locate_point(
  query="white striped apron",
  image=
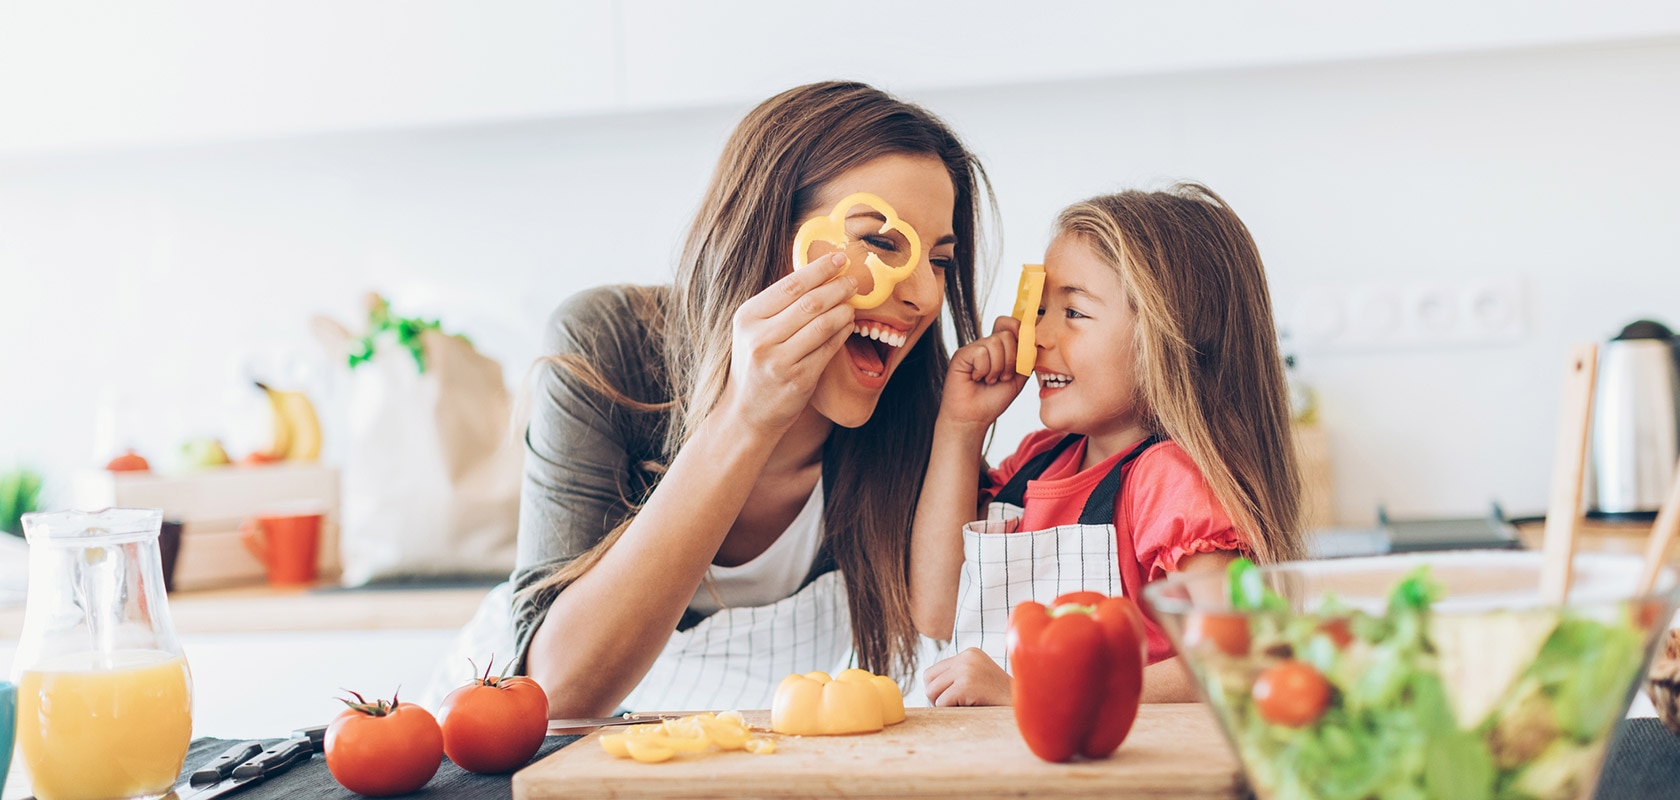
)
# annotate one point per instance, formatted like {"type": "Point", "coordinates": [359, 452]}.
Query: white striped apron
{"type": "Point", "coordinates": [1004, 566]}
{"type": "Point", "coordinates": [735, 658]}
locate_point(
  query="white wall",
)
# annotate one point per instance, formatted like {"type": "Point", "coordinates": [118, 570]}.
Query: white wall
{"type": "Point", "coordinates": [148, 275]}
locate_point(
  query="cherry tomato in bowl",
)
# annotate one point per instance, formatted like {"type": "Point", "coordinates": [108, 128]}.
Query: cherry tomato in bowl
{"type": "Point", "coordinates": [1291, 693]}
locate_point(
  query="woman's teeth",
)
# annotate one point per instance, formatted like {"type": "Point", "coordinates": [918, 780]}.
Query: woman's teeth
{"type": "Point", "coordinates": [1054, 380]}
{"type": "Point", "coordinates": [879, 333]}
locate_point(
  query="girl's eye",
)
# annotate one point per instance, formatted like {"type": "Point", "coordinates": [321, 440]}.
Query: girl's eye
{"type": "Point", "coordinates": [943, 262]}
{"type": "Point", "coordinates": [1072, 314]}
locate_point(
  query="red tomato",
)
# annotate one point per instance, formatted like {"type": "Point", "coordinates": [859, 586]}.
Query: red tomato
{"type": "Point", "coordinates": [1228, 632]}
{"type": "Point", "coordinates": [129, 461]}
{"type": "Point", "coordinates": [1291, 694]}
{"type": "Point", "coordinates": [1338, 632]}
{"type": "Point", "coordinates": [494, 725]}
{"type": "Point", "coordinates": [381, 749]}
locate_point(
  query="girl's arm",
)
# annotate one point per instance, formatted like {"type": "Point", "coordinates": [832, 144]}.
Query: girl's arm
{"type": "Point", "coordinates": [949, 499]}
{"type": "Point", "coordinates": [602, 633]}
{"type": "Point", "coordinates": [1169, 680]}
{"type": "Point", "coordinates": [979, 385]}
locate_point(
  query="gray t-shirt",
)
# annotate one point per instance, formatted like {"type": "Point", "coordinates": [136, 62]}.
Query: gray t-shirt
{"type": "Point", "coordinates": [588, 458]}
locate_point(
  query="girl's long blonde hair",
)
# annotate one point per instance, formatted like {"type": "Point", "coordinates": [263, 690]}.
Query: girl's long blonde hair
{"type": "Point", "coordinates": [767, 181]}
{"type": "Point", "coordinates": [1208, 372]}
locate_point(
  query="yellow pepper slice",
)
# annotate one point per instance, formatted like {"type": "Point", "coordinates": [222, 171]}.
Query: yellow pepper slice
{"type": "Point", "coordinates": [761, 747]}
{"type": "Point", "coordinates": [832, 229]}
{"type": "Point", "coordinates": [855, 701]}
{"type": "Point", "coordinates": [697, 733]}
{"type": "Point", "coordinates": [1029, 295]}
{"type": "Point", "coordinates": [647, 750]}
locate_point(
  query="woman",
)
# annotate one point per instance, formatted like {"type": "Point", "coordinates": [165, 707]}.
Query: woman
{"type": "Point", "coordinates": [720, 474]}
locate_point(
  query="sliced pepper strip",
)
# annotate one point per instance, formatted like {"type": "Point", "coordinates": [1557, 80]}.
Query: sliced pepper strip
{"type": "Point", "coordinates": [1029, 295]}
{"type": "Point", "coordinates": [832, 229]}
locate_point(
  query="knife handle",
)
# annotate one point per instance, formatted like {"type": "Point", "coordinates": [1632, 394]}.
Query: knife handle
{"type": "Point", "coordinates": [275, 759]}
{"type": "Point", "coordinates": [316, 735]}
{"type": "Point", "coordinates": [218, 769]}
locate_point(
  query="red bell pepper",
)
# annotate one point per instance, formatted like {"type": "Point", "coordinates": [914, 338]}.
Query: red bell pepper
{"type": "Point", "coordinates": [1078, 672]}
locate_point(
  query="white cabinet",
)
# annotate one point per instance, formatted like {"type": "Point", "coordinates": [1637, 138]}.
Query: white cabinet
{"type": "Point", "coordinates": [84, 73]}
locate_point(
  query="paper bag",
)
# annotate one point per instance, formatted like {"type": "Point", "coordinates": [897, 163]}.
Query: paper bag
{"type": "Point", "coordinates": [431, 470]}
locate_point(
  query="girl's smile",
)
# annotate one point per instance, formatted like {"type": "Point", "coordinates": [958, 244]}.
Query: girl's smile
{"type": "Point", "coordinates": [1085, 329]}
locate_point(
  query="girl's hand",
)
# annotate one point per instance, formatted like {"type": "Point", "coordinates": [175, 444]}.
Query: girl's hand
{"type": "Point", "coordinates": [969, 678]}
{"type": "Point", "coordinates": [784, 338]}
{"type": "Point", "coordinates": [982, 382]}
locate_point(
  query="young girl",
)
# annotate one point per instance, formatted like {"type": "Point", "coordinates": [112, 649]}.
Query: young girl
{"type": "Point", "coordinates": [1168, 446]}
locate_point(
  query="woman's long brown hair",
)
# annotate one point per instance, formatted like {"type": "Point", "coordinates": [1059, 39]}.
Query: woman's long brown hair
{"type": "Point", "coordinates": [1209, 375]}
{"type": "Point", "coordinates": [767, 181]}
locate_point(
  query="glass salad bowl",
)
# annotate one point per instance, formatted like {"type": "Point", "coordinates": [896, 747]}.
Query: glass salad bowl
{"type": "Point", "coordinates": [1439, 675]}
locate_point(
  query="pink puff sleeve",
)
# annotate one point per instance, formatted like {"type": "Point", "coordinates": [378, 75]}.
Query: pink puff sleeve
{"type": "Point", "coordinates": [1173, 513]}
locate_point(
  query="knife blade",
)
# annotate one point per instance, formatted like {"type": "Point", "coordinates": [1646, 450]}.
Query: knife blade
{"type": "Point", "coordinates": [602, 722]}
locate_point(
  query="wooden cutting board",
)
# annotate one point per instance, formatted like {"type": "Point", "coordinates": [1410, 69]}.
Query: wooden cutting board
{"type": "Point", "coordinates": [1174, 751]}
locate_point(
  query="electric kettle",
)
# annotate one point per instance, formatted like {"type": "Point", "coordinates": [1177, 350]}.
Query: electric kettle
{"type": "Point", "coordinates": [1635, 423]}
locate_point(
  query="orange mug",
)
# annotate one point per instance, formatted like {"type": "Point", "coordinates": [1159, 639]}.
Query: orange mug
{"type": "Point", "coordinates": [288, 545]}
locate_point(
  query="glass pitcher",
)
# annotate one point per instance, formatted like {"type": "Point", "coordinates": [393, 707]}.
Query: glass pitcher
{"type": "Point", "coordinates": [103, 690]}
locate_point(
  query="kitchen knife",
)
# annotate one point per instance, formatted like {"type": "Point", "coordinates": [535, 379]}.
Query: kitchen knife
{"type": "Point", "coordinates": [602, 722]}
{"type": "Point", "coordinates": [270, 762]}
{"type": "Point", "coordinates": [219, 768]}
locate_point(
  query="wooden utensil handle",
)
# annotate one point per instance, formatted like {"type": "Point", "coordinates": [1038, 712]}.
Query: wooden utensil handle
{"type": "Point", "coordinates": [1662, 533]}
{"type": "Point", "coordinates": [1563, 514]}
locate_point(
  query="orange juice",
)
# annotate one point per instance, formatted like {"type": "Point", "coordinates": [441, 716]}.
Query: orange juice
{"type": "Point", "coordinates": [119, 730]}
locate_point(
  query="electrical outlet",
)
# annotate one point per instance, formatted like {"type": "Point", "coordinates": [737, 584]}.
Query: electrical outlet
{"type": "Point", "coordinates": [1408, 316]}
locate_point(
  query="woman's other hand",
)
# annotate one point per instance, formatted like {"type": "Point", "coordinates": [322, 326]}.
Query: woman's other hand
{"type": "Point", "coordinates": [784, 338]}
{"type": "Point", "coordinates": [982, 381]}
{"type": "Point", "coordinates": [969, 678]}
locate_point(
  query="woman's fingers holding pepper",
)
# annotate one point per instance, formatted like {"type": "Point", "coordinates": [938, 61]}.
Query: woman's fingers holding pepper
{"type": "Point", "coordinates": [820, 338]}
{"type": "Point", "coordinates": [797, 286]}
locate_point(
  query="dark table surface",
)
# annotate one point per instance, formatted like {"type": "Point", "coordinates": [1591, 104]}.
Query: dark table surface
{"type": "Point", "coordinates": [1643, 763]}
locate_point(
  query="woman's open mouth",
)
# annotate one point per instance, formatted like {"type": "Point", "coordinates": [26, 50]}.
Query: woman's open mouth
{"type": "Point", "coordinates": [870, 347]}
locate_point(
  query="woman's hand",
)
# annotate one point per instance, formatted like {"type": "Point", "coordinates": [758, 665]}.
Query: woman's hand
{"type": "Point", "coordinates": [969, 678]}
{"type": "Point", "coordinates": [982, 381]}
{"type": "Point", "coordinates": [784, 337]}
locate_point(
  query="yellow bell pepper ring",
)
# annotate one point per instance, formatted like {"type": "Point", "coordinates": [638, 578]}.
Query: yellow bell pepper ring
{"type": "Point", "coordinates": [855, 701]}
{"type": "Point", "coordinates": [832, 229]}
{"type": "Point", "coordinates": [1029, 295]}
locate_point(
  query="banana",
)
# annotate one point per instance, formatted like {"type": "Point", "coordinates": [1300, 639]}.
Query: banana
{"type": "Point", "coordinates": [297, 429]}
{"type": "Point", "coordinates": [305, 427]}
{"type": "Point", "coordinates": [280, 428]}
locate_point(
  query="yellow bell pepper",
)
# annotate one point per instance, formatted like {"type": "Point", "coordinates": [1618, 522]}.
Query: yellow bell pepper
{"type": "Point", "coordinates": [855, 701]}
{"type": "Point", "coordinates": [832, 229]}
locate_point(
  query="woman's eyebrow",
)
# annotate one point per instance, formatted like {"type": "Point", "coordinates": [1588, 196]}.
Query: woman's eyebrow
{"type": "Point", "coordinates": [1073, 290]}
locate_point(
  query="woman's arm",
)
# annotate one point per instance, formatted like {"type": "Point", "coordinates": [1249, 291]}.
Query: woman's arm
{"type": "Point", "coordinates": [979, 385]}
{"type": "Point", "coordinates": [597, 640]}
